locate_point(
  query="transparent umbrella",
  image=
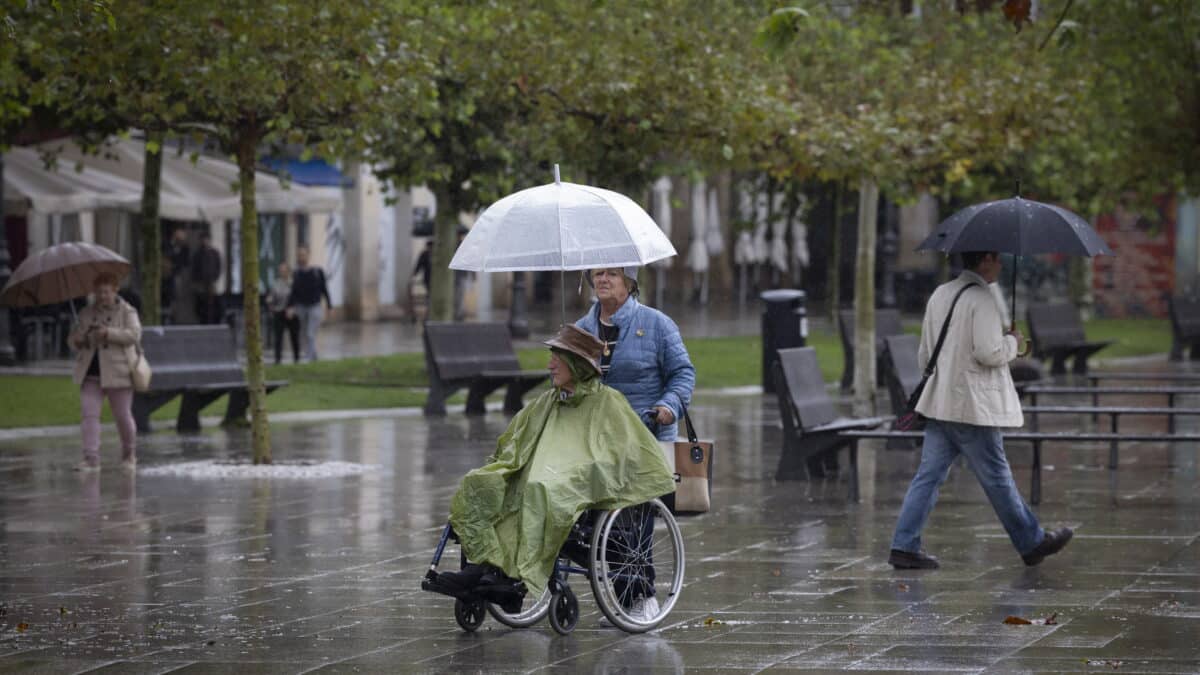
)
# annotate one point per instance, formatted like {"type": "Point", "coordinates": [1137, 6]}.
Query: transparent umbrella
{"type": "Point", "coordinates": [560, 227]}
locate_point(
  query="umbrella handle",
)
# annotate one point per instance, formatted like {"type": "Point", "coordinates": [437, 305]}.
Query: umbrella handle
{"type": "Point", "coordinates": [1026, 347]}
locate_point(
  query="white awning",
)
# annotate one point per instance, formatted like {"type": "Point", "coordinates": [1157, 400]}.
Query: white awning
{"type": "Point", "coordinates": [201, 190]}
{"type": "Point", "coordinates": [28, 183]}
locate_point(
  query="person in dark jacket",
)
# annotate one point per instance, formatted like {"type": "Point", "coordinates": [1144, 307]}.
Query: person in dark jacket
{"type": "Point", "coordinates": [206, 269]}
{"type": "Point", "coordinates": [308, 289]}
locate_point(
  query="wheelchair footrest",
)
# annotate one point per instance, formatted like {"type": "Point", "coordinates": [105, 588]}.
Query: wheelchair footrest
{"type": "Point", "coordinates": [433, 584]}
{"type": "Point", "coordinates": [507, 594]}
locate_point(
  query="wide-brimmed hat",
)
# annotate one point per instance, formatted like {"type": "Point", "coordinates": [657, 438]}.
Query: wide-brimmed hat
{"type": "Point", "coordinates": [573, 339]}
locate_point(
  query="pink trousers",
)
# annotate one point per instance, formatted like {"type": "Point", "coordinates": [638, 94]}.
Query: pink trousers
{"type": "Point", "coordinates": [120, 401]}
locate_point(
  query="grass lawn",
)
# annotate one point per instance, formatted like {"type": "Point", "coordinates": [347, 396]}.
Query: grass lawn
{"type": "Point", "coordinates": [399, 380]}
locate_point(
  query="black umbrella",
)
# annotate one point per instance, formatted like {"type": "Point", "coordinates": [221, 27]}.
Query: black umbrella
{"type": "Point", "coordinates": [1017, 226]}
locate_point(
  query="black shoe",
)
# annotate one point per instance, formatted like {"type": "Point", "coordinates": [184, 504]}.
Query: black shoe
{"type": "Point", "coordinates": [903, 560]}
{"type": "Point", "coordinates": [1052, 542]}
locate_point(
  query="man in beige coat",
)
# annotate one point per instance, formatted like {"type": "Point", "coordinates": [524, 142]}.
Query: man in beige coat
{"type": "Point", "coordinates": [968, 399]}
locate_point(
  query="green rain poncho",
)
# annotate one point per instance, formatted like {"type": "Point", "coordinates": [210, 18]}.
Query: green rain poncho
{"type": "Point", "coordinates": [560, 456]}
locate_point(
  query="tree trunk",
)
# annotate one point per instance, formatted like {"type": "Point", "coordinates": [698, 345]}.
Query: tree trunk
{"type": "Point", "coordinates": [445, 241]}
{"type": "Point", "coordinates": [260, 432]}
{"type": "Point", "coordinates": [151, 249]}
{"type": "Point", "coordinates": [864, 300]}
{"type": "Point", "coordinates": [835, 256]}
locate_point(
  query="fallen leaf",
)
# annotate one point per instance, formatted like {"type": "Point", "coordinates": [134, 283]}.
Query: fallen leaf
{"type": "Point", "coordinates": [211, 643]}
{"type": "Point", "coordinates": [712, 622]}
{"type": "Point", "coordinates": [1017, 621]}
{"type": "Point", "coordinates": [1052, 620]}
{"type": "Point", "coordinates": [776, 572]}
{"type": "Point", "coordinates": [62, 610]}
{"type": "Point", "coordinates": [902, 587]}
{"type": "Point", "coordinates": [22, 627]}
{"type": "Point", "coordinates": [1019, 12]}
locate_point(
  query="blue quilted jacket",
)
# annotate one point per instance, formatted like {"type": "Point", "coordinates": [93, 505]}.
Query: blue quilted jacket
{"type": "Point", "coordinates": [650, 365]}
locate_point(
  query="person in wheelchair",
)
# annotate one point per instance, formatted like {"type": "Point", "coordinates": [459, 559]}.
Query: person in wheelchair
{"type": "Point", "coordinates": [577, 447]}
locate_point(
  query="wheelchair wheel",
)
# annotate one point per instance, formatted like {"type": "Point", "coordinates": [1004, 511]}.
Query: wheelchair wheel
{"type": "Point", "coordinates": [564, 611]}
{"type": "Point", "coordinates": [469, 614]}
{"type": "Point", "coordinates": [637, 561]}
{"type": "Point", "coordinates": [527, 616]}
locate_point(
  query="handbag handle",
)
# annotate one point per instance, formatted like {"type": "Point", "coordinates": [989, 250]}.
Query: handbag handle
{"type": "Point", "coordinates": [697, 452]}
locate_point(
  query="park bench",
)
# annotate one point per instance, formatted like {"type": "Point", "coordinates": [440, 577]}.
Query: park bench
{"type": "Point", "coordinates": [887, 323]}
{"type": "Point", "coordinates": [1036, 438]}
{"type": "Point", "coordinates": [480, 357]}
{"type": "Point", "coordinates": [199, 363]}
{"type": "Point", "coordinates": [1036, 390]}
{"type": "Point", "coordinates": [810, 421]}
{"type": "Point", "coordinates": [1185, 326]}
{"type": "Point", "coordinates": [1058, 335]}
{"type": "Point", "coordinates": [1095, 378]}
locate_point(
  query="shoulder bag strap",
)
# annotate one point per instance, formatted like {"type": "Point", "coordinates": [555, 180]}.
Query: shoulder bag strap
{"type": "Point", "coordinates": [937, 349]}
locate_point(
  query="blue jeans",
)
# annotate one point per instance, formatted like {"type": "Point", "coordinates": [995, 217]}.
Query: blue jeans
{"type": "Point", "coordinates": [984, 450]}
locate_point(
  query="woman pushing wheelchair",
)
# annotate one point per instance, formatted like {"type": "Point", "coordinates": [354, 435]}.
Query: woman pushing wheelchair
{"type": "Point", "coordinates": [574, 480]}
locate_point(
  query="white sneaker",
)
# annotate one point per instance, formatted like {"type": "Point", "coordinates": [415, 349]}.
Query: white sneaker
{"type": "Point", "coordinates": [644, 610]}
{"type": "Point", "coordinates": [87, 467]}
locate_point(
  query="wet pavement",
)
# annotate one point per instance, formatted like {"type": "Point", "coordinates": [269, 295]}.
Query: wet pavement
{"type": "Point", "coordinates": [150, 574]}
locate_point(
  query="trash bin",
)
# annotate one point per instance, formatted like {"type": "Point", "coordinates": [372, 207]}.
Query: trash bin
{"type": "Point", "coordinates": [784, 325]}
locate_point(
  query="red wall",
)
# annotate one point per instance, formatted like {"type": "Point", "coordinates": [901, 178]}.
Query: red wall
{"type": "Point", "coordinates": [1139, 278]}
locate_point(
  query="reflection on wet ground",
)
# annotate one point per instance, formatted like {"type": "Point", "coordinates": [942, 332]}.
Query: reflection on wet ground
{"type": "Point", "coordinates": [150, 574]}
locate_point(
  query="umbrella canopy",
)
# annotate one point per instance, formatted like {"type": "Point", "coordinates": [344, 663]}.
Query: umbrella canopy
{"type": "Point", "coordinates": [561, 226]}
{"type": "Point", "coordinates": [60, 273]}
{"type": "Point", "coordinates": [698, 249]}
{"type": "Point", "coordinates": [662, 213]}
{"type": "Point", "coordinates": [714, 239]}
{"type": "Point", "coordinates": [1017, 226]}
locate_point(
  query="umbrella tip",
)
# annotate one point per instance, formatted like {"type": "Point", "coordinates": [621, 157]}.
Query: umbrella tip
{"type": "Point", "coordinates": [556, 178]}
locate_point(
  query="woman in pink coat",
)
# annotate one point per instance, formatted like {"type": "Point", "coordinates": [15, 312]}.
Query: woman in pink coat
{"type": "Point", "coordinates": [105, 340]}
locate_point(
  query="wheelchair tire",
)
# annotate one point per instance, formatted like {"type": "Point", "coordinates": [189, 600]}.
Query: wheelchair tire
{"type": "Point", "coordinates": [469, 614]}
{"type": "Point", "coordinates": [527, 616]}
{"type": "Point", "coordinates": [564, 611]}
{"type": "Point", "coordinates": [618, 557]}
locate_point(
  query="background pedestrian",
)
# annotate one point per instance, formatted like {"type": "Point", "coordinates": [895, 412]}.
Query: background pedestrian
{"type": "Point", "coordinates": [105, 339]}
{"type": "Point", "coordinates": [308, 289]}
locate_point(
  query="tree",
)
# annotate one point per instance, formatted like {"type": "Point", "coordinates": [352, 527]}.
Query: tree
{"type": "Point", "coordinates": [885, 100]}
{"type": "Point", "coordinates": [250, 75]}
{"type": "Point", "coordinates": [609, 91]}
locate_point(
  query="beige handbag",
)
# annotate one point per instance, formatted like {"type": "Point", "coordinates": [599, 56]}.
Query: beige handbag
{"type": "Point", "coordinates": [693, 473]}
{"type": "Point", "coordinates": [139, 370]}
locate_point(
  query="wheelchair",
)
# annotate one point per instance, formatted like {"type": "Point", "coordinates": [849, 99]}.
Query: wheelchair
{"type": "Point", "coordinates": [628, 555]}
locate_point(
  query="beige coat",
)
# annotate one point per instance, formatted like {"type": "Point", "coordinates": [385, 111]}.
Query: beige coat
{"type": "Point", "coordinates": [971, 382]}
{"type": "Point", "coordinates": [117, 351]}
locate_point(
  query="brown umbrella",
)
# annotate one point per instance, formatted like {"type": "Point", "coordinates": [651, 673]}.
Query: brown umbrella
{"type": "Point", "coordinates": [60, 273]}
